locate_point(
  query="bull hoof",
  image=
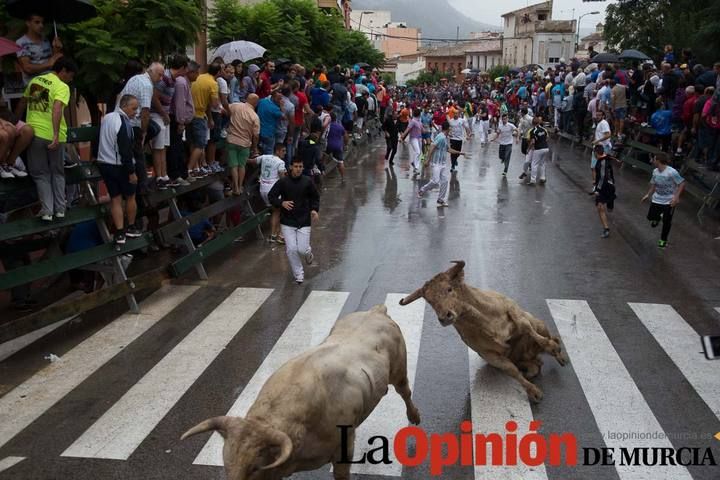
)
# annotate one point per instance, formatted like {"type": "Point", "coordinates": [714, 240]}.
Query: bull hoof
{"type": "Point", "coordinates": [534, 393]}
{"type": "Point", "coordinates": [414, 416]}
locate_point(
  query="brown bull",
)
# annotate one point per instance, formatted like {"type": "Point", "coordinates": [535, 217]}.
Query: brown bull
{"type": "Point", "coordinates": [502, 333]}
{"type": "Point", "coordinates": [293, 424]}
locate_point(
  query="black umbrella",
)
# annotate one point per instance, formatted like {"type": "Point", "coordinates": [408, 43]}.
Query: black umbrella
{"type": "Point", "coordinates": [606, 58]}
{"type": "Point", "coordinates": [282, 61]}
{"type": "Point", "coordinates": [514, 70]}
{"type": "Point", "coordinates": [633, 55]}
{"type": "Point", "coordinates": [63, 11]}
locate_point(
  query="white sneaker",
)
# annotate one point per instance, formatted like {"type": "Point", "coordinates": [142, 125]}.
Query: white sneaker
{"type": "Point", "coordinates": [18, 173]}
{"type": "Point", "coordinates": [5, 172]}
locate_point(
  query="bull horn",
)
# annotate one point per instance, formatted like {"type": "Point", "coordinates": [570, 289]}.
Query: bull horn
{"type": "Point", "coordinates": [279, 438]}
{"type": "Point", "coordinates": [220, 424]}
{"type": "Point", "coordinates": [456, 269]}
{"type": "Point", "coordinates": [412, 297]}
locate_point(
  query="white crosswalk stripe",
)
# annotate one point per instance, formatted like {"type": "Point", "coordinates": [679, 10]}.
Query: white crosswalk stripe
{"type": "Point", "coordinates": [29, 400]}
{"type": "Point", "coordinates": [8, 462]}
{"type": "Point", "coordinates": [495, 399]}
{"type": "Point", "coordinates": [121, 429]}
{"type": "Point", "coordinates": [683, 345]}
{"type": "Point", "coordinates": [308, 328]}
{"type": "Point", "coordinates": [612, 395]}
{"type": "Point", "coordinates": [615, 400]}
{"type": "Point", "coordinates": [389, 416]}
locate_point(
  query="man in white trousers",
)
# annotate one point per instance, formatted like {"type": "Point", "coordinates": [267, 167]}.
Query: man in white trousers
{"type": "Point", "coordinates": [414, 130]}
{"type": "Point", "coordinates": [539, 147]}
{"type": "Point", "coordinates": [438, 161]}
{"type": "Point", "coordinates": [299, 203]}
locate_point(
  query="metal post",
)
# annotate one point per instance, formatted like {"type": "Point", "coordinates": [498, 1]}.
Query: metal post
{"type": "Point", "coordinates": [116, 262]}
{"type": "Point", "coordinates": [189, 245]}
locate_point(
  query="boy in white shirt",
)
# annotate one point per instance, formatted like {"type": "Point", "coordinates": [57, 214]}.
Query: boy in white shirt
{"type": "Point", "coordinates": [272, 167]}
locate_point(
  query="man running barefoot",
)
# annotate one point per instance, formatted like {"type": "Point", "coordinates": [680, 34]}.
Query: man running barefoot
{"type": "Point", "coordinates": [438, 161]}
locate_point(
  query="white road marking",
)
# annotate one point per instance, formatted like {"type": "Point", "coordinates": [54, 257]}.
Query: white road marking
{"type": "Point", "coordinates": [122, 429]}
{"type": "Point", "coordinates": [9, 462]}
{"type": "Point", "coordinates": [310, 326]}
{"type": "Point", "coordinates": [495, 399]}
{"type": "Point", "coordinates": [13, 346]}
{"type": "Point", "coordinates": [683, 345]}
{"type": "Point", "coordinates": [389, 416]}
{"type": "Point", "coordinates": [29, 400]}
{"type": "Point", "coordinates": [614, 398]}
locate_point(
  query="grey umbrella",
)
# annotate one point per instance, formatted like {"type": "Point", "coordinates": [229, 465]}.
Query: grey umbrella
{"type": "Point", "coordinates": [606, 58]}
{"type": "Point", "coordinates": [633, 55]}
{"type": "Point", "coordinates": [63, 11]}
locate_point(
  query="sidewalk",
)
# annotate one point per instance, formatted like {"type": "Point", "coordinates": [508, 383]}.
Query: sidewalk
{"type": "Point", "coordinates": [693, 253]}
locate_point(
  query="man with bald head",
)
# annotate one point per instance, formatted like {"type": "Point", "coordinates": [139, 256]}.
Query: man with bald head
{"type": "Point", "coordinates": [243, 134]}
{"type": "Point", "coordinates": [142, 87]}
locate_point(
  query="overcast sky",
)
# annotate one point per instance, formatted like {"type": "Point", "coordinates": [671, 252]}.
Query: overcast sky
{"type": "Point", "coordinates": [489, 11]}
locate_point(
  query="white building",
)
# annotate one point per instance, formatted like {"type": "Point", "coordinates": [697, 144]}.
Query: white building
{"type": "Point", "coordinates": [595, 40]}
{"type": "Point", "coordinates": [531, 36]}
{"type": "Point", "coordinates": [485, 53]}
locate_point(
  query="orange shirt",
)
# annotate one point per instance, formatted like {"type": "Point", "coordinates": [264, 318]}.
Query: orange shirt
{"type": "Point", "coordinates": [322, 77]}
{"type": "Point", "coordinates": [404, 115]}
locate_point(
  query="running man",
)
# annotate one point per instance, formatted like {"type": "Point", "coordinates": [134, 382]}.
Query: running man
{"type": "Point", "coordinates": [539, 150]}
{"type": "Point", "coordinates": [299, 201]}
{"type": "Point", "coordinates": [506, 132]}
{"type": "Point", "coordinates": [414, 130]}
{"type": "Point", "coordinates": [459, 128]}
{"type": "Point", "coordinates": [602, 137]}
{"type": "Point", "coordinates": [438, 162]}
{"type": "Point", "coordinates": [666, 186]}
{"type": "Point", "coordinates": [604, 187]}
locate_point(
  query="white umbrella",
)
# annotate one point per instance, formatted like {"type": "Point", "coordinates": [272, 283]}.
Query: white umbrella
{"type": "Point", "coordinates": [239, 50]}
{"type": "Point", "coordinates": [466, 71]}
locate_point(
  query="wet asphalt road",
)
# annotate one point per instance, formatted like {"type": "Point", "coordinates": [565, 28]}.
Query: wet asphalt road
{"type": "Point", "coordinates": [375, 237]}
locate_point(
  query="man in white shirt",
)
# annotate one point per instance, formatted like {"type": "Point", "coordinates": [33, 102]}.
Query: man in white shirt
{"type": "Point", "coordinates": [272, 168]}
{"type": "Point", "coordinates": [666, 187]}
{"type": "Point", "coordinates": [458, 129]}
{"type": "Point", "coordinates": [506, 133]}
{"type": "Point", "coordinates": [602, 137]}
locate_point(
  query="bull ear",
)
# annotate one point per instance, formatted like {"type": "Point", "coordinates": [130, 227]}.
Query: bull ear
{"type": "Point", "coordinates": [220, 424]}
{"type": "Point", "coordinates": [412, 297]}
{"type": "Point", "coordinates": [456, 271]}
{"type": "Point", "coordinates": [279, 439]}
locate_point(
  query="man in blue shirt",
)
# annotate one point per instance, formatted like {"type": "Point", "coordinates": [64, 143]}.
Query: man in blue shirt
{"type": "Point", "coordinates": [319, 96]}
{"type": "Point", "coordinates": [269, 112]}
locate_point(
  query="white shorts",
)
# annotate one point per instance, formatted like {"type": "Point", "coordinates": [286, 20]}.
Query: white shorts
{"type": "Point", "coordinates": [264, 190]}
{"type": "Point", "coordinates": [162, 139]}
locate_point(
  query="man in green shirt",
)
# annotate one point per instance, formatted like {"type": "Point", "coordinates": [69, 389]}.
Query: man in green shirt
{"type": "Point", "coordinates": [46, 97]}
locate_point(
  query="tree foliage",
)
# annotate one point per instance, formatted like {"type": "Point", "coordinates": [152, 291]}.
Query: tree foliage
{"type": "Point", "coordinates": [294, 29]}
{"type": "Point", "coordinates": [649, 25]}
{"type": "Point", "coordinates": [134, 29]}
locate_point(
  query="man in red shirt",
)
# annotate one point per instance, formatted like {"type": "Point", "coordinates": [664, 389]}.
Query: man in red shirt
{"type": "Point", "coordinates": [691, 98]}
{"type": "Point", "coordinates": [301, 110]}
{"type": "Point", "coordinates": [265, 83]}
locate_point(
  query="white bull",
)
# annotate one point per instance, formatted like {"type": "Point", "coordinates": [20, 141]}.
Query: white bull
{"type": "Point", "coordinates": [293, 424]}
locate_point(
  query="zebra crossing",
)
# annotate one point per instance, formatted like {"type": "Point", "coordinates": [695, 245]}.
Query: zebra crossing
{"type": "Point", "coordinates": [608, 387]}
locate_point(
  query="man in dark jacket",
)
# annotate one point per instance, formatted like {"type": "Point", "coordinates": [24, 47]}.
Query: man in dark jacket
{"type": "Point", "coordinates": [117, 165]}
{"type": "Point", "coordinates": [299, 203]}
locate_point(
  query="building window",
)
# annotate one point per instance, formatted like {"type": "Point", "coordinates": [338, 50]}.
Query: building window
{"type": "Point", "coordinates": [553, 59]}
{"type": "Point", "coordinates": [444, 67]}
{"type": "Point", "coordinates": [542, 16]}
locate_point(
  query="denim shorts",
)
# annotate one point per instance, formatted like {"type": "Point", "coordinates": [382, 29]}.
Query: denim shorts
{"type": "Point", "coordinates": [620, 113]}
{"type": "Point", "coordinates": [199, 132]}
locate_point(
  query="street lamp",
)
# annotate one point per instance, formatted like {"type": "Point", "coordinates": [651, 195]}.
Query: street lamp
{"type": "Point", "coordinates": [577, 39]}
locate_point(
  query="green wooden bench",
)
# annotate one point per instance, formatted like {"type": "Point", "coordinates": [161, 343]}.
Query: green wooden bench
{"type": "Point", "coordinates": [629, 154]}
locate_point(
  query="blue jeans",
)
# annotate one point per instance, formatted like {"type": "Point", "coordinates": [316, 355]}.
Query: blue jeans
{"type": "Point", "coordinates": [266, 145]}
